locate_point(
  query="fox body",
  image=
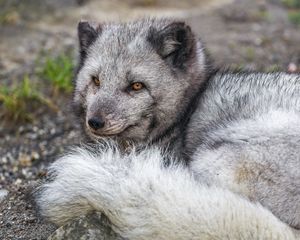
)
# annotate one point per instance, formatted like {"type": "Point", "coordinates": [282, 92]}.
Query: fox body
{"type": "Point", "coordinates": [150, 83]}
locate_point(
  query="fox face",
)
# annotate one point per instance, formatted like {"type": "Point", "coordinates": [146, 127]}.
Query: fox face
{"type": "Point", "coordinates": [136, 80]}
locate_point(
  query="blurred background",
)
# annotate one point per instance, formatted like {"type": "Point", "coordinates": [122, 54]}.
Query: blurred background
{"type": "Point", "coordinates": [37, 57]}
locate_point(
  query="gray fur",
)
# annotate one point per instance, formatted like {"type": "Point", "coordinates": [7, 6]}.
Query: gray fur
{"type": "Point", "coordinates": [124, 53]}
{"type": "Point", "coordinates": [238, 132]}
{"type": "Point", "coordinates": [245, 136]}
{"type": "Point", "coordinates": [146, 201]}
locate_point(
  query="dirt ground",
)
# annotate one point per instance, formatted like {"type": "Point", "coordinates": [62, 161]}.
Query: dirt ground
{"type": "Point", "coordinates": [250, 35]}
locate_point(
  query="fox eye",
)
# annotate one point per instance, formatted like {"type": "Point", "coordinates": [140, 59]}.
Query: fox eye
{"type": "Point", "coordinates": [96, 81]}
{"type": "Point", "coordinates": [137, 86]}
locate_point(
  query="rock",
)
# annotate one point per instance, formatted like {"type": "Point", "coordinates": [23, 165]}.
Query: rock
{"type": "Point", "coordinates": [292, 67]}
{"type": "Point", "coordinates": [91, 227]}
{"type": "Point", "coordinates": [3, 194]}
{"type": "Point", "coordinates": [25, 160]}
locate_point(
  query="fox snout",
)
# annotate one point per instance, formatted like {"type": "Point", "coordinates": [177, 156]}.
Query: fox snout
{"type": "Point", "coordinates": [96, 123]}
{"type": "Point", "coordinates": [105, 125]}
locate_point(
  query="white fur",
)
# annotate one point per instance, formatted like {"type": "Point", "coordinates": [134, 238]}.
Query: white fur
{"type": "Point", "coordinates": [145, 200]}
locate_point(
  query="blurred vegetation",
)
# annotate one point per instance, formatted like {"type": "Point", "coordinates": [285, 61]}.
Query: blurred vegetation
{"type": "Point", "coordinates": [294, 10]}
{"type": "Point", "coordinates": [274, 68]}
{"type": "Point", "coordinates": [250, 53]}
{"type": "Point", "coordinates": [12, 11]}
{"type": "Point", "coordinates": [291, 3]}
{"type": "Point", "coordinates": [19, 100]}
{"type": "Point", "coordinates": [294, 17]}
{"type": "Point", "coordinates": [16, 100]}
{"type": "Point", "coordinates": [16, 11]}
{"type": "Point", "coordinates": [59, 72]}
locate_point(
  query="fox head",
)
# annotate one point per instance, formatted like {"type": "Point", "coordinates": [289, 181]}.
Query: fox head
{"type": "Point", "coordinates": [135, 80]}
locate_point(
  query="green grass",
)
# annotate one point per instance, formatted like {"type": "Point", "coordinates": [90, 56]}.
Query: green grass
{"type": "Point", "coordinates": [250, 53]}
{"type": "Point", "coordinates": [59, 71]}
{"type": "Point", "coordinates": [237, 67]}
{"type": "Point", "coordinates": [273, 68]}
{"type": "Point", "coordinates": [261, 15]}
{"type": "Point", "coordinates": [294, 17]}
{"type": "Point", "coordinates": [291, 3]}
{"type": "Point", "coordinates": [15, 100]}
{"type": "Point", "coordinates": [144, 3]}
{"type": "Point", "coordinates": [293, 11]}
{"type": "Point", "coordinates": [19, 100]}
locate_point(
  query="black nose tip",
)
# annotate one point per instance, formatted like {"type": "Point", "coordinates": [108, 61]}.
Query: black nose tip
{"type": "Point", "coordinates": [96, 123]}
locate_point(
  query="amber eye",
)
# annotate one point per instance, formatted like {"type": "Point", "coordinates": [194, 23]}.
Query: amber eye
{"type": "Point", "coordinates": [136, 86]}
{"type": "Point", "coordinates": [96, 81]}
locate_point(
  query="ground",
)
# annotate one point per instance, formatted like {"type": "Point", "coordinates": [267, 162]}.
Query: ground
{"type": "Point", "coordinates": [251, 35]}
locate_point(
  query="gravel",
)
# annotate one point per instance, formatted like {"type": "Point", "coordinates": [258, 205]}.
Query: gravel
{"type": "Point", "coordinates": [255, 36]}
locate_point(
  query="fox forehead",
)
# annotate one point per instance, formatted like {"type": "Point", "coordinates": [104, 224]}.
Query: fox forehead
{"type": "Point", "coordinates": [112, 54]}
{"type": "Point", "coordinates": [121, 63]}
{"type": "Point", "coordinates": [119, 43]}
{"type": "Point", "coordinates": [114, 63]}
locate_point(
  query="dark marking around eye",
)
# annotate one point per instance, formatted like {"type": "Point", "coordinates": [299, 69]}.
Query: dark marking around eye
{"type": "Point", "coordinates": [96, 81]}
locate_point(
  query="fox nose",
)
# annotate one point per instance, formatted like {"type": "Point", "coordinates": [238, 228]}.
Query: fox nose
{"type": "Point", "coordinates": [96, 123]}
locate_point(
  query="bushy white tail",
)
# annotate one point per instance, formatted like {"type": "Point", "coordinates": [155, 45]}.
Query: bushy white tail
{"type": "Point", "coordinates": [145, 200]}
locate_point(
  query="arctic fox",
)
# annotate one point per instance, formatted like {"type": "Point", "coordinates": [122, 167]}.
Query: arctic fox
{"type": "Point", "coordinates": [204, 154]}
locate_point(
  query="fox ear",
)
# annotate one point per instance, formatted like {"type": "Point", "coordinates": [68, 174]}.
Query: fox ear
{"type": "Point", "coordinates": [175, 43]}
{"type": "Point", "coordinates": [87, 34]}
